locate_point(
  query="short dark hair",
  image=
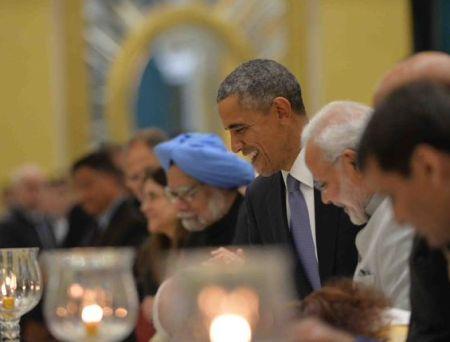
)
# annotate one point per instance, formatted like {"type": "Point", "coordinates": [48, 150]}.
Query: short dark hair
{"type": "Point", "coordinates": [99, 161]}
{"type": "Point", "coordinates": [157, 175]}
{"type": "Point", "coordinates": [418, 113]}
{"type": "Point", "coordinates": [149, 136]}
{"type": "Point", "coordinates": [258, 81]}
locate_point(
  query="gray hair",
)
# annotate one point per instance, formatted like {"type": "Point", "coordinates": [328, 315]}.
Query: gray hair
{"type": "Point", "coordinates": [258, 81]}
{"type": "Point", "coordinates": [149, 136]}
{"type": "Point", "coordinates": [336, 127]}
{"type": "Point", "coordinates": [24, 172]}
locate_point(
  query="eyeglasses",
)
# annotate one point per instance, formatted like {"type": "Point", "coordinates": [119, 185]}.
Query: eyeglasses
{"type": "Point", "coordinates": [183, 193]}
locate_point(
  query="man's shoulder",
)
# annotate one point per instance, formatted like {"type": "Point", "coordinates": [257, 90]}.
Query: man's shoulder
{"type": "Point", "coordinates": [262, 184]}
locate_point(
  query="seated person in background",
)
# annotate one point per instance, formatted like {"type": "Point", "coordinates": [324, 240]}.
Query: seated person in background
{"type": "Point", "coordinates": [139, 156]}
{"type": "Point", "coordinates": [330, 140]}
{"type": "Point", "coordinates": [352, 307]}
{"type": "Point", "coordinates": [26, 225]}
{"type": "Point", "coordinates": [58, 200]}
{"type": "Point", "coordinates": [167, 234]}
{"type": "Point", "coordinates": [100, 186]}
{"type": "Point", "coordinates": [203, 181]}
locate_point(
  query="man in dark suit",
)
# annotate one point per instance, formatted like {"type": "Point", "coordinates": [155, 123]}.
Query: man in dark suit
{"type": "Point", "coordinates": [260, 104]}
{"type": "Point", "coordinates": [116, 221]}
{"type": "Point", "coordinates": [25, 226]}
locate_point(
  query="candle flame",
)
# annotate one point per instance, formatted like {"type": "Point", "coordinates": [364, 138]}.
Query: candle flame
{"type": "Point", "coordinates": [229, 327]}
{"type": "Point", "coordinates": [92, 313]}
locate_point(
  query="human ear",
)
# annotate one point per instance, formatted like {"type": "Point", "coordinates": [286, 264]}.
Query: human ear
{"type": "Point", "coordinates": [427, 163]}
{"type": "Point", "coordinates": [349, 158]}
{"type": "Point", "coordinates": [282, 107]}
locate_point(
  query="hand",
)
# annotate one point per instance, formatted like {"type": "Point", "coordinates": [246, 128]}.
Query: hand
{"type": "Point", "coordinates": [226, 256]}
{"type": "Point", "coordinates": [312, 330]}
{"type": "Point", "coordinates": [147, 308]}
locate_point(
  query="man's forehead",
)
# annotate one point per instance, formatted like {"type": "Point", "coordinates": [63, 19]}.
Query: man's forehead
{"type": "Point", "coordinates": [177, 177]}
{"type": "Point", "coordinates": [234, 113]}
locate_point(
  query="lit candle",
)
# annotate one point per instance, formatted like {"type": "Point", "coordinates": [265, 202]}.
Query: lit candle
{"type": "Point", "coordinates": [230, 327]}
{"type": "Point", "coordinates": [91, 316]}
{"type": "Point", "coordinates": [8, 289]}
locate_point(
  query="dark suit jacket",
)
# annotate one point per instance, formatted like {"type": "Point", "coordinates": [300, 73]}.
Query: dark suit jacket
{"type": "Point", "coordinates": [430, 294]}
{"type": "Point", "coordinates": [80, 224]}
{"type": "Point", "coordinates": [17, 230]}
{"type": "Point", "coordinates": [126, 227]}
{"type": "Point", "coordinates": [263, 221]}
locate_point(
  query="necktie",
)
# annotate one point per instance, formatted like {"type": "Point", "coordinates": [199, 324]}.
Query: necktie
{"type": "Point", "coordinates": [301, 232]}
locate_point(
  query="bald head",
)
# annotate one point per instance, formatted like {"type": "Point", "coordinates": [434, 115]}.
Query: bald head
{"type": "Point", "coordinates": [27, 183]}
{"type": "Point", "coordinates": [430, 65]}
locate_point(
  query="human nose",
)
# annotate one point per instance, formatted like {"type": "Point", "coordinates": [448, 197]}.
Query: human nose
{"type": "Point", "coordinates": [181, 204]}
{"type": "Point", "coordinates": [236, 143]}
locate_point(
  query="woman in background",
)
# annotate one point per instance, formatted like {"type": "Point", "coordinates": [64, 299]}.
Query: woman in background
{"type": "Point", "coordinates": [167, 236]}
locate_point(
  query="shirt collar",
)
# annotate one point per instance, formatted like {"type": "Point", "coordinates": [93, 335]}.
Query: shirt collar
{"type": "Point", "coordinates": [300, 171]}
{"type": "Point", "coordinates": [104, 219]}
{"type": "Point", "coordinates": [373, 204]}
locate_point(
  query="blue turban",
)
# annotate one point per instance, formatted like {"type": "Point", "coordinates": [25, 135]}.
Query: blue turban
{"type": "Point", "coordinates": [205, 158]}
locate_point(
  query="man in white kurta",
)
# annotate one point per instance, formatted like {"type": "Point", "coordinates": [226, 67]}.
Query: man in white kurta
{"type": "Point", "coordinates": [330, 141]}
{"type": "Point", "coordinates": [384, 247]}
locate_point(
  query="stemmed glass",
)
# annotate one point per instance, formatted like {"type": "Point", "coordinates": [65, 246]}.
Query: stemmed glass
{"type": "Point", "coordinates": [91, 295]}
{"type": "Point", "coordinates": [20, 288]}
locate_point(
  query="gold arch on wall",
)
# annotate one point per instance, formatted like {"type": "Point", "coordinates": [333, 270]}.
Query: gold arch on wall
{"type": "Point", "coordinates": [136, 48]}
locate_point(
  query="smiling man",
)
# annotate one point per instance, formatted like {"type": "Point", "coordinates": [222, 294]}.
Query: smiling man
{"type": "Point", "coordinates": [260, 104]}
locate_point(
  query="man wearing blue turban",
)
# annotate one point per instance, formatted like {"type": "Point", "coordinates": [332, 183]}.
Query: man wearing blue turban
{"type": "Point", "coordinates": [203, 181]}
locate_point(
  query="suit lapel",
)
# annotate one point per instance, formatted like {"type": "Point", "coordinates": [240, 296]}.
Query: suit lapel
{"type": "Point", "coordinates": [326, 231]}
{"type": "Point", "coordinates": [276, 204]}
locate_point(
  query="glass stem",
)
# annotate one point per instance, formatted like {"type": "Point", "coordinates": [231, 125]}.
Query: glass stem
{"type": "Point", "coordinates": [10, 331]}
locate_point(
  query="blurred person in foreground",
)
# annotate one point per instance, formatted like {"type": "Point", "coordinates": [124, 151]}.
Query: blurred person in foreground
{"type": "Point", "coordinates": [330, 140]}
{"type": "Point", "coordinates": [102, 195]}
{"type": "Point", "coordinates": [261, 106]}
{"type": "Point", "coordinates": [355, 308]}
{"type": "Point", "coordinates": [435, 67]}
{"type": "Point", "coordinates": [405, 154]}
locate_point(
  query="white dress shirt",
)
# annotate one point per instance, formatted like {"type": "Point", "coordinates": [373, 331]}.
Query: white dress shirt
{"type": "Point", "coordinates": [301, 173]}
{"type": "Point", "coordinates": [384, 247]}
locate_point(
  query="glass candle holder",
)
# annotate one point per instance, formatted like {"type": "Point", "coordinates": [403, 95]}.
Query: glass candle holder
{"type": "Point", "coordinates": [91, 295]}
{"type": "Point", "coordinates": [20, 288]}
{"type": "Point", "coordinates": [217, 302]}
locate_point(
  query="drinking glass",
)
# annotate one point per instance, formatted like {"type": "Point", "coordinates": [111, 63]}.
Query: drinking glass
{"type": "Point", "coordinates": [20, 288]}
{"type": "Point", "coordinates": [91, 295]}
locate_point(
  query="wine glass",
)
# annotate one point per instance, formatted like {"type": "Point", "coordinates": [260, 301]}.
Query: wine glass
{"type": "Point", "coordinates": [20, 288]}
{"type": "Point", "coordinates": [91, 295]}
